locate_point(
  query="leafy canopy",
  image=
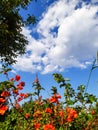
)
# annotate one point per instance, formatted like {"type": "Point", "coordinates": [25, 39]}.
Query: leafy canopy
{"type": "Point", "coordinates": [12, 41]}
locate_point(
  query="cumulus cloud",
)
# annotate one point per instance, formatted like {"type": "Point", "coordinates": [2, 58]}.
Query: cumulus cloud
{"type": "Point", "coordinates": [68, 37]}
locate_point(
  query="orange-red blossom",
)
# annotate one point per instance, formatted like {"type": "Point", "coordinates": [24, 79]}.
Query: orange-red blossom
{"type": "Point", "coordinates": [17, 77]}
{"type": "Point", "coordinates": [71, 114]}
{"type": "Point", "coordinates": [27, 115]}
{"type": "Point", "coordinates": [37, 113]}
{"type": "Point", "coordinates": [3, 109]}
{"type": "Point", "coordinates": [37, 126]}
{"type": "Point", "coordinates": [48, 127]}
{"type": "Point", "coordinates": [2, 100]}
{"type": "Point", "coordinates": [48, 110]}
{"type": "Point", "coordinates": [24, 95]}
{"type": "Point", "coordinates": [92, 112]}
{"type": "Point", "coordinates": [20, 85]}
{"type": "Point", "coordinates": [54, 98]}
{"type": "Point", "coordinates": [5, 94]}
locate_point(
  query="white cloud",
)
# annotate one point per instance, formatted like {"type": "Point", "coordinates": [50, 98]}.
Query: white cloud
{"type": "Point", "coordinates": [68, 38]}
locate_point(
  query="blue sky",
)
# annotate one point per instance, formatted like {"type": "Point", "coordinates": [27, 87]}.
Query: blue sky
{"type": "Point", "coordinates": [64, 40]}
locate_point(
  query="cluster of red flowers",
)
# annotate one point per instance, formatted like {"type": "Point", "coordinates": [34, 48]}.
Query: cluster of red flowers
{"type": "Point", "coordinates": [37, 126]}
{"type": "Point", "coordinates": [2, 100]}
{"type": "Point", "coordinates": [22, 96]}
{"type": "Point", "coordinates": [5, 94]}
{"type": "Point", "coordinates": [45, 127]}
{"type": "Point", "coordinates": [49, 127]}
{"type": "Point", "coordinates": [17, 78]}
{"type": "Point", "coordinates": [54, 98]}
{"type": "Point", "coordinates": [48, 110]}
{"type": "Point", "coordinates": [71, 114]}
{"type": "Point", "coordinates": [20, 86]}
{"type": "Point", "coordinates": [3, 107]}
{"type": "Point", "coordinates": [38, 113]}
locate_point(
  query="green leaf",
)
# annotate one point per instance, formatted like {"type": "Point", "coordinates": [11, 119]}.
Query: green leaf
{"type": "Point", "coordinates": [89, 116]}
{"type": "Point", "coordinates": [81, 88]}
{"type": "Point", "coordinates": [61, 128]}
{"type": "Point", "coordinates": [91, 99]}
{"type": "Point", "coordinates": [58, 78]}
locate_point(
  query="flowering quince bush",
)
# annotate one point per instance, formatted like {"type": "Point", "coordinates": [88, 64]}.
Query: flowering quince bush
{"type": "Point", "coordinates": [77, 111]}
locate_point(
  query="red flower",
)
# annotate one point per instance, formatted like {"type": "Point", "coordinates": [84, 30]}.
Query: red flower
{"type": "Point", "coordinates": [69, 119]}
{"type": "Point", "coordinates": [75, 115]}
{"type": "Point", "coordinates": [72, 114]}
{"type": "Point", "coordinates": [5, 94]}
{"type": "Point", "coordinates": [3, 109]}
{"type": "Point", "coordinates": [2, 100]}
{"type": "Point", "coordinates": [17, 77]}
{"type": "Point", "coordinates": [37, 126]}
{"type": "Point", "coordinates": [19, 99]}
{"type": "Point", "coordinates": [27, 115]}
{"type": "Point", "coordinates": [48, 110]}
{"type": "Point", "coordinates": [17, 106]}
{"type": "Point", "coordinates": [93, 112]}
{"type": "Point", "coordinates": [54, 98]}
{"type": "Point", "coordinates": [26, 95]}
{"type": "Point", "coordinates": [19, 87]}
{"type": "Point", "coordinates": [61, 112]}
{"type": "Point", "coordinates": [22, 83]}
{"type": "Point", "coordinates": [15, 91]}
{"type": "Point", "coordinates": [21, 94]}
{"type": "Point", "coordinates": [49, 127]}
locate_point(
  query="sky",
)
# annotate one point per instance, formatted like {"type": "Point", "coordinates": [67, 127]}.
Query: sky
{"type": "Point", "coordinates": [64, 40]}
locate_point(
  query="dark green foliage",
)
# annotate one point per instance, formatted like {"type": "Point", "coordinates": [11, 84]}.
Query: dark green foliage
{"type": "Point", "coordinates": [12, 41]}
